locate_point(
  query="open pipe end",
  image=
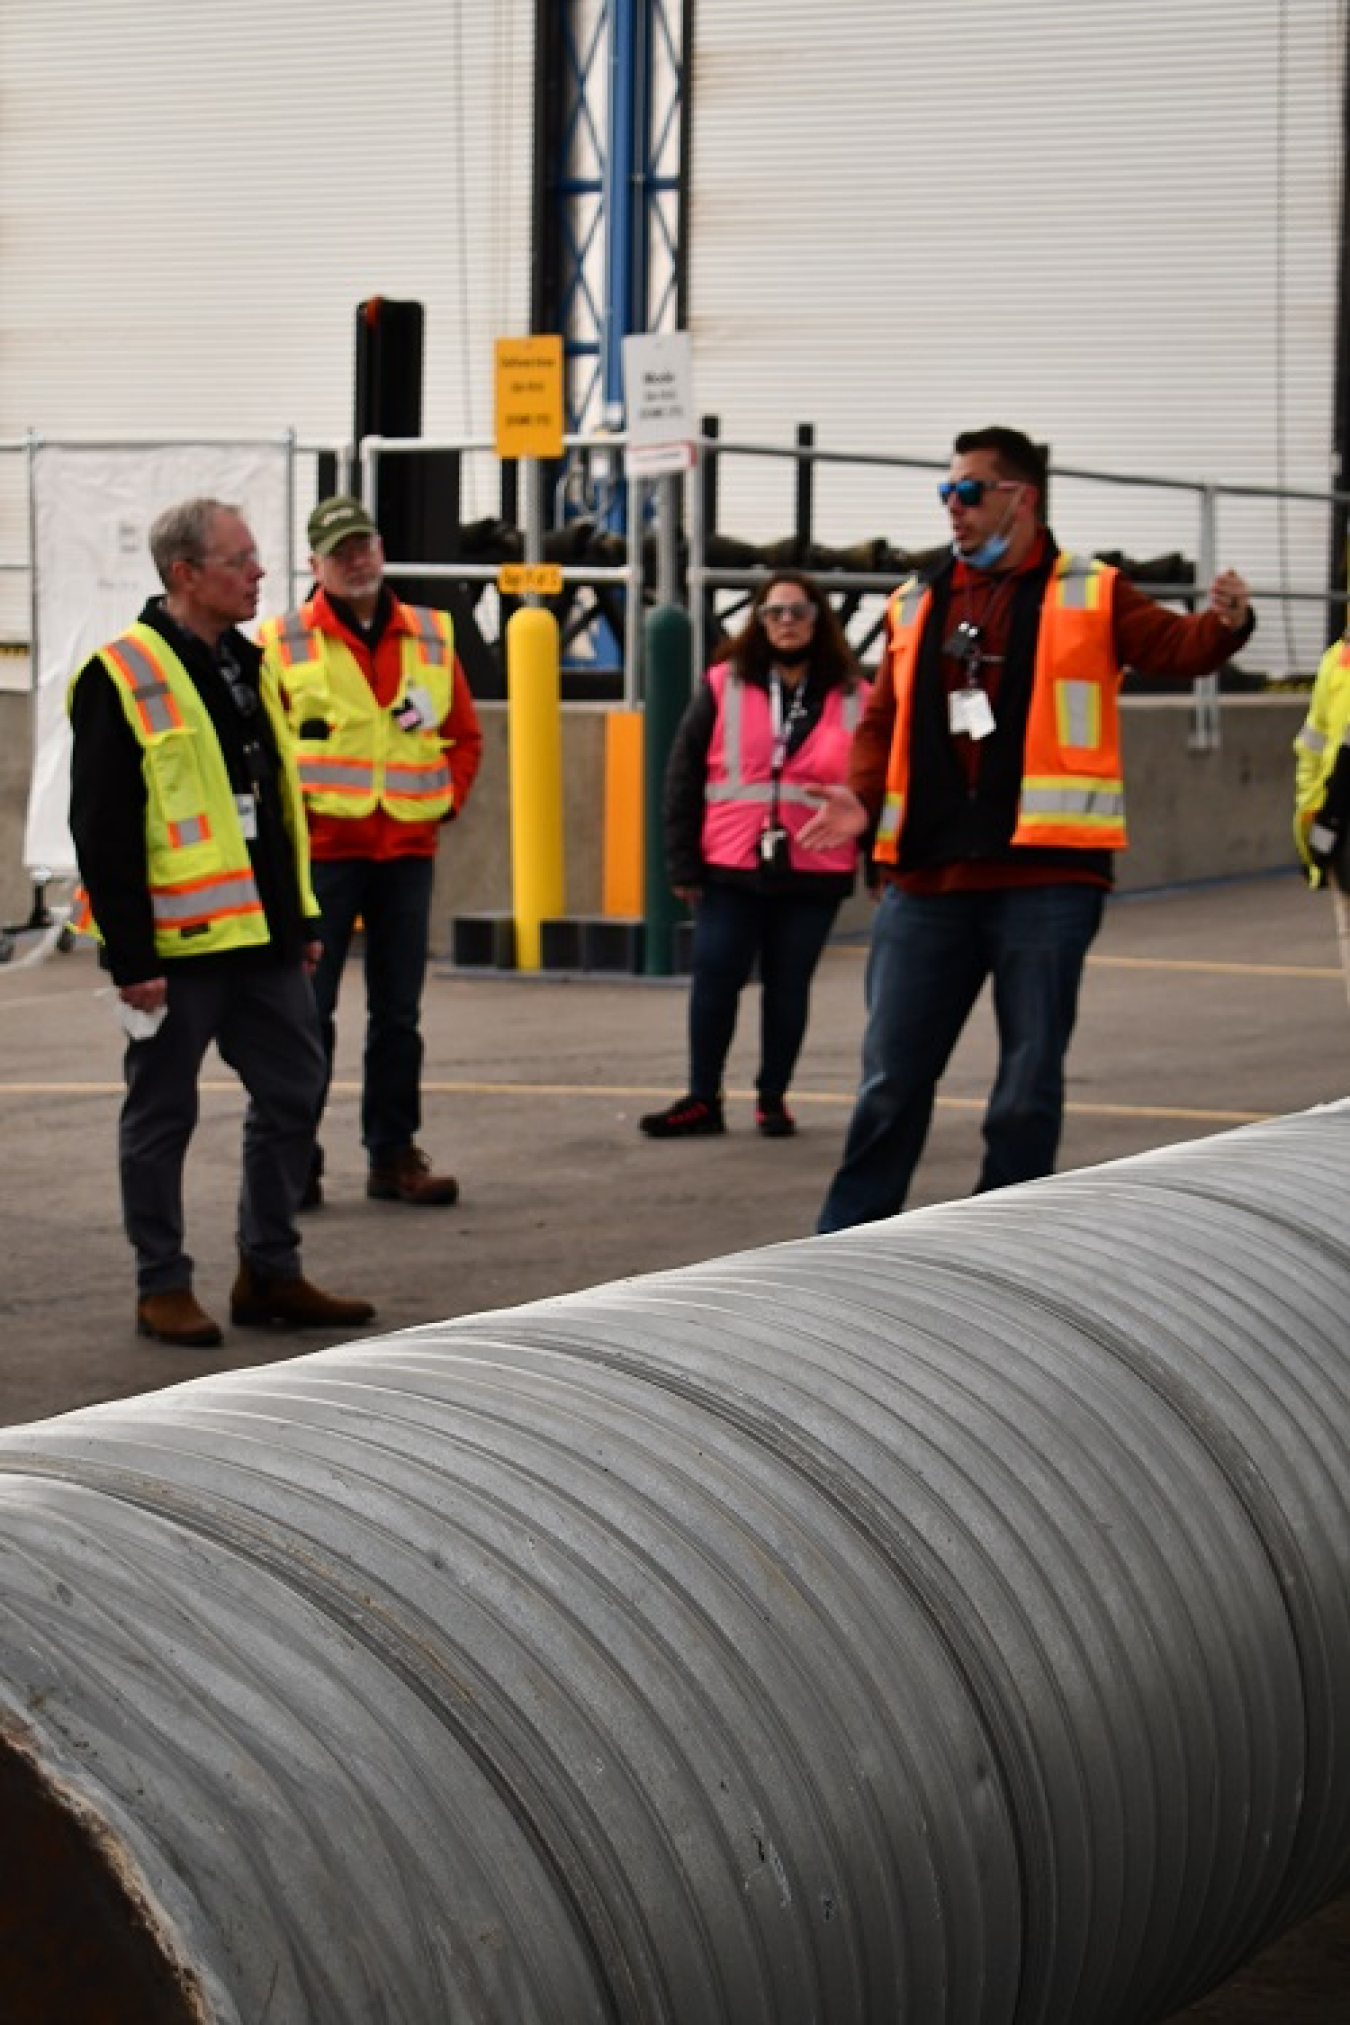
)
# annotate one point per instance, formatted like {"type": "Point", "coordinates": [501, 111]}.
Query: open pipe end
{"type": "Point", "coordinates": [78, 1939]}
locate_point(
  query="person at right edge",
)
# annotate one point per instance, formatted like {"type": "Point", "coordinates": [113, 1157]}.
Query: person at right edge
{"type": "Point", "coordinates": [1322, 788]}
{"type": "Point", "coordinates": [990, 759]}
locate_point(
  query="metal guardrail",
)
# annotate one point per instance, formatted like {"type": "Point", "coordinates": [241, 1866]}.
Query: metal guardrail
{"type": "Point", "coordinates": [676, 511]}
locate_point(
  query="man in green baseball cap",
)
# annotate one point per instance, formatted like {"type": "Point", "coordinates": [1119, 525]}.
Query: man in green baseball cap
{"type": "Point", "coordinates": [334, 519]}
{"type": "Point", "coordinates": [387, 743]}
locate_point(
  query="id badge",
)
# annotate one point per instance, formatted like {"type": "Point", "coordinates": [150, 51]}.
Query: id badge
{"type": "Point", "coordinates": [979, 713]}
{"type": "Point", "coordinates": [969, 713]}
{"type": "Point", "coordinates": [246, 809]}
{"type": "Point", "coordinates": [415, 711]}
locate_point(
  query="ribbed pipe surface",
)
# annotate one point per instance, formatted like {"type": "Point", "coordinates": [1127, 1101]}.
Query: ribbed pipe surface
{"type": "Point", "coordinates": [943, 1623]}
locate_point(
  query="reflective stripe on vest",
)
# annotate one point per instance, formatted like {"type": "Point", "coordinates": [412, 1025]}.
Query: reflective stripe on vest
{"type": "Point", "coordinates": [294, 640]}
{"type": "Point", "coordinates": [1082, 800]}
{"type": "Point", "coordinates": [431, 631]}
{"type": "Point", "coordinates": [188, 903]}
{"type": "Point", "coordinates": [324, 775]}
{"type": "Point", "coordinates": [429, 781]}
{"type": "Point", "coordinates": [908, 605]}
{"type": "Point", "coordinates": [147, 685]}
{"type": "Point", "coordinates": [192, 830]}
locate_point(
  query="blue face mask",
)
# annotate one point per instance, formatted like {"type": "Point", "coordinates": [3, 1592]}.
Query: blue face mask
{"type": "Point", "coordinates": [990, 551]}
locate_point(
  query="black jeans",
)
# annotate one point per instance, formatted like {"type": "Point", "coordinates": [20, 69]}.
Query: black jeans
{"type": "Point", "coordinates": [734, 925]}
{"type": "Point", "coordinates": [262, 1019]}
{"type": "Point", "coordinates": [929, 959]}
{"type": "Point", "coordinates": [392, 898]}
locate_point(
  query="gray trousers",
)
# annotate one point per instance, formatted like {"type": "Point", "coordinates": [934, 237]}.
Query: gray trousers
{"type": "Point", "coordinates": [263, 1020]}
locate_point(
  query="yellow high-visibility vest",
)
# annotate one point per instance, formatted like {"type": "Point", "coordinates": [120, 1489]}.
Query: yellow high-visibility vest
{"type": "Point", "coordinates": [203, 894]}
{"type": "Point", "coordinates": [354, 755]}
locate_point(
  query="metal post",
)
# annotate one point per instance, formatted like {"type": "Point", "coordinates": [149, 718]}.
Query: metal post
{"type": "Point", "coordinates": [694, 569]}
{"type": "Point", "coordinates": [290, 514]}
{"type": "Point", "coordinates": [806, 493]}
{"type": "Point", "coordinates": [668, 541]}
{"type": "Point", "coordinates": [633, 684]}
{"type": "Point", "coordinates": [1206, 735]}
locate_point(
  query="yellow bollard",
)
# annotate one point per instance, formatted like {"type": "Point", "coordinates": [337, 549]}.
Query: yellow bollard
{"type": "Point", "coordinates": [534, 739]}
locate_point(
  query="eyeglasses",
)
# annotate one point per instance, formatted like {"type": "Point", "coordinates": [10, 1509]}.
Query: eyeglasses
{"type": "Point", "coordinates": [778, 615]}
{"type": "Point", "coordinates": [970, 491]}
{"type": "Point", "coordinates": [244, 559]}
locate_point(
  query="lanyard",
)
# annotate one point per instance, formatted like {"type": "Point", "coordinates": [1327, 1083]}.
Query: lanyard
{"type": "Point", "coordinates": [784, 724]}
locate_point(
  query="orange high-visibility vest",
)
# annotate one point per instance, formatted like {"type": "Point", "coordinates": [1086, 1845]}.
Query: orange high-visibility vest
{"type": "Point", "coordinates": [1073, 790]}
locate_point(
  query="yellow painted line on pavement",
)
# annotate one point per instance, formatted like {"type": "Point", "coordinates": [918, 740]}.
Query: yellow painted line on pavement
{"type": "Point", "coordinates": [1206, 964]}
{"type": "Point", "coordinates": [644, 1092]}
{"type": "Point", "coordinates": [1202, 964]}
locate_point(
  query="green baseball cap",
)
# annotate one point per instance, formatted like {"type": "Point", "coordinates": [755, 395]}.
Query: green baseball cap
{"type": "Point", "coordinates": [334, 519]}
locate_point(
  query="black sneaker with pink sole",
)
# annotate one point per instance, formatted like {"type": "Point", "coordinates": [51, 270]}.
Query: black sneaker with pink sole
{"type": "Point", "coordinates": [686, 1118]}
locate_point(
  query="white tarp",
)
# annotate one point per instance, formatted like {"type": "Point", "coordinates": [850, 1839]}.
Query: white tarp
{"type": "Point", "coordinates": [92, 507]}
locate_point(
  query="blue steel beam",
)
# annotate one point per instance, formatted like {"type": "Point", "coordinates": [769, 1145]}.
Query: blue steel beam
{"type": "Point", "coordinates": [618, 186]}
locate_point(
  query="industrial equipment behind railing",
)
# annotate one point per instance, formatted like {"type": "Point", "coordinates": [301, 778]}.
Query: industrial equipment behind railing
{"type": "Point", "coordinates": [686, 557]}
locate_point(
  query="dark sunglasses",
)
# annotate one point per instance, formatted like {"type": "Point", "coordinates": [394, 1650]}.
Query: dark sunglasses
{"type": "Point", "coordinates": [970, 491]}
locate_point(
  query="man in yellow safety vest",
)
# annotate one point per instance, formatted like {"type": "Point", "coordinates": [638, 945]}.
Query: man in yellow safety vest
{"type": "Point", "coordinates": [388, 745]}
{"type": "Point", "coordinates": [190, 836]}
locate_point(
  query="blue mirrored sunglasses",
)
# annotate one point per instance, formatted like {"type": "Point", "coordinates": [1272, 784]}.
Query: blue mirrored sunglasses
{"type": "Point", "coordinates": [970, 491]}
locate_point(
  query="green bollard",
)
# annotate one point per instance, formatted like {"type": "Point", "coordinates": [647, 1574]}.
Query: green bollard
{"type": "Point", "coordinates": [669, 655]}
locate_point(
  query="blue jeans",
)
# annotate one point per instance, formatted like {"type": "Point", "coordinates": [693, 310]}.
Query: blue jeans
{"type": "Point", "coordinates": [392, 898]}
{"type": "Point", "coordinates": [733, 926]}
{"type": "Point", "coordinates": [929, 959]}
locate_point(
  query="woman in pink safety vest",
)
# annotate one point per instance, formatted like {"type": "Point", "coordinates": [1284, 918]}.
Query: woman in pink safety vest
{"type": "Point", "coordinates": [772, 723]}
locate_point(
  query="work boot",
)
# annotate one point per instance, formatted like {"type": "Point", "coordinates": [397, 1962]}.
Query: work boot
{"type": "Point", "coordinates": [405, 1176]}
{"type": "Point", "coordinates": [686, 1118]}
{"type": "Point", "coordinates": [291, 1304]}
{"type": "Point", "coordinates": [176, 1317]}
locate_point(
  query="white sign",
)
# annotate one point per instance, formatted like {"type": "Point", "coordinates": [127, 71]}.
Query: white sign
{"type": "Point", "coordinates": [92, 507]}
{"type": "Point", "coordinates": [657, 381]}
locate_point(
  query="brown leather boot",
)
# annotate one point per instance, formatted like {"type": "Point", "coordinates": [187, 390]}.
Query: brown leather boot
{"type": "Point", "coordinates": [291, 1304]}
{"type": "Point", "coordinates": [406, 1176]}
{"type": "Point", "coordinates": [176, 1317]}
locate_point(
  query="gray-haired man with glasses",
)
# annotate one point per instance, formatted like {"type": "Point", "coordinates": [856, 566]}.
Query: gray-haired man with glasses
{"type": "Point", "coordinates": [190, 835]}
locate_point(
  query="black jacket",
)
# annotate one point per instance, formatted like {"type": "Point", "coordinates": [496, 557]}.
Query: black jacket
{"type": "Point", "coordinates": [108, 796]}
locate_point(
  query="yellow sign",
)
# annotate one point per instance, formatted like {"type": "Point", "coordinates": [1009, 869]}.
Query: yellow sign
{"type": "Point", "coordinates": [529, 397]}
{"type": "Point", "coordinates": [523, 580]}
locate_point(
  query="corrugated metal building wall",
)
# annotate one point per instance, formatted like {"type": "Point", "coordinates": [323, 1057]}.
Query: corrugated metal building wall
{"type": "Point", "coordinates": [1112, 225]}
{"type": "Point", "coordinates": [193, 200]}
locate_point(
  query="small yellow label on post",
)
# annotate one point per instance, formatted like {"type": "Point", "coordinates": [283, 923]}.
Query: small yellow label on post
{"type": "Point", "coordinates": [522, 580]}
{"type": "Point", "coordinates": [530, 397]}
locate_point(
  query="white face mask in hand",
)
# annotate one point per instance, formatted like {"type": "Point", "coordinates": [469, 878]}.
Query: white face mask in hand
{"type": "Point", "coordinates": [135, 1024]}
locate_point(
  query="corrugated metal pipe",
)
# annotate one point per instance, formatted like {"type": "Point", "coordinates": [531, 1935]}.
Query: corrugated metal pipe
{"type": "Point", "coordinates": [944, 1623]}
